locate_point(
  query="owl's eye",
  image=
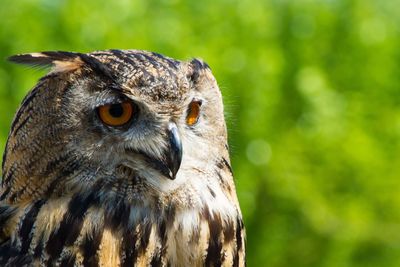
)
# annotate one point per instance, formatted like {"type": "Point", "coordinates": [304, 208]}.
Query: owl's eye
{"type": "Point", "coordinates": [116, 114]}
{"type": "Point", "coordinates": [193, 113]}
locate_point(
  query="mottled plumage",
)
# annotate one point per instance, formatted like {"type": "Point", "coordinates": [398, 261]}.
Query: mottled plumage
{"type": "Point", "coordinates": [155, 191]}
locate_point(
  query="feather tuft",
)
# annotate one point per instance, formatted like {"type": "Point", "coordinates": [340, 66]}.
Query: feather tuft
{"type": "Point", "coordinates": [59, 61]}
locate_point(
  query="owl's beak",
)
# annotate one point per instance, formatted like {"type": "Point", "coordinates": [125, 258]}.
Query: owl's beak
{"type": "Point", "coordinates": [174, 153]}
{"type": "Point", "coordinates": [168, 164]}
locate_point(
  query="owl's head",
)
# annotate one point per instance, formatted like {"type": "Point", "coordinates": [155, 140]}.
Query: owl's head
{"type": "Point", "coordinates": [120, 118]}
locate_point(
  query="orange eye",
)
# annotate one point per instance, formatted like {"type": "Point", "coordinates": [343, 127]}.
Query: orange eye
{"type": "Point", "coordinates": [116, 114]}
{"type": "Point", "coordinates": [193, 113]}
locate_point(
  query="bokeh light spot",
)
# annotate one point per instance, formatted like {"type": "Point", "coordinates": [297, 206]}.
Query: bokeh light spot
{"type": "Point", "coordinates": [259, 152]}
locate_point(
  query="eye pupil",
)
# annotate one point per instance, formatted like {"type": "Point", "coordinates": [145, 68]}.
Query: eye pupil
{"type": "Point", "coordinates": [116, 110]}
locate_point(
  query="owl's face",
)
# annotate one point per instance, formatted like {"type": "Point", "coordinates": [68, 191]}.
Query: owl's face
{"type": "Point", "coordinates": [133, 113]}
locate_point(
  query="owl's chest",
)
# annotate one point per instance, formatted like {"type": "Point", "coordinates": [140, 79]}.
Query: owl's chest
{"type": "Point", "coordinates": [189, 238]}
{"type": "Point", "coordinates": [123, 236]}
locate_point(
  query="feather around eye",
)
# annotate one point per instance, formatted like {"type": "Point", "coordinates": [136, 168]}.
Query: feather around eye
{"type": "Point", "coordinates": [116, 114]}
{"type": "Point", "coordinates": [193, 113]}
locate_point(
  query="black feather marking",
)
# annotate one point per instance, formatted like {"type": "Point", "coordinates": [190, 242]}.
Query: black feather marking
{"type": "Point", "coordinates": [226, 163]}
{"type": "Point", "coordinates": [162, 231]}
{"type": "Point", "coordinates": [7, 252]}
{"type": "Point", "coordinates": [214, 249]}
{"type": "Point", "coordinates": [69, 260]}
{"type": "Point", "coordinates": [28, 59]}
{"type": "Point", "coordinates": [159, 255]}
{"type": "Point", "coordinates": [172, 63]}
{"type": "Point", "coordinates": [129, 249]}
{"type": "Point", "coordinates": [220, 164]}
{"type": "Point", "coordinates": [148, 59]}
{"type": "Point", "coordinates": [227, 146]}
{"type": "Point", "coordinates": [5, 154]}
{"type": "Point", "coordinates": [97, 66]}
{"type": "Point", "coordinates": [144, 238]}
{"type": "Point", "coordinates": [44, 59]}
{"type": "Point", "coordinates": [61, 55]}
{"type": "Point", "coordinates": [211, 191]}
{"type": "Point", "coordinates": [21, 260]}
{"type": "Point", "coordinates": [25, 232]}
{"type": "Point", "coordinates": [197, 66]}
{"type": "Point", "coordinates": [90, 246]}
{"type": "Point", "coordinates": [239, 241]}
{"type": "Point", "coordinates": [236, 259]}
{"type": "Point", "coordinates": [25, 107]}
{"type": "Point", "coordinates": [135, 243]}
{"type": "Point", "coordinates": [116, 215]}
{"type": "Point", "coordinates": [156, 260]}
{"type": "Point", "coordinates": [170, 212]}
{"type": "Point", "coordinates": [70, 225]}
{"type": "Point", "coordinates": [223, 163]}
{"type": "Point", "coordinates": [37, 252]}
{"type": "Point", "coordinates": [221, 180]}
{"type": "Point", "coordinates": [239, 228]}
{"type": "Point", "coordinates": [49, 58]}
{"type": "Point", "coordinates": [8, 189]}
{"type": "Point", "coordinates": [15, 129]}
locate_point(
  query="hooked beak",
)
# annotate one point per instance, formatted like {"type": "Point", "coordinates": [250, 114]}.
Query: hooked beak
{"type": "Point", "coordinates": [171, 160]}
{"type": "Point", "coordinates": [173, 154]}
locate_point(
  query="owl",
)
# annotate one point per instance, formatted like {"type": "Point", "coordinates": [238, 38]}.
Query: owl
{"type": "Point", "coordinates": [119, 158]}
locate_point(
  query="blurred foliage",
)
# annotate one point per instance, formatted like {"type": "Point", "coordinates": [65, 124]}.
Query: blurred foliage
{"type": "Point", "coordinates": [312, 101]}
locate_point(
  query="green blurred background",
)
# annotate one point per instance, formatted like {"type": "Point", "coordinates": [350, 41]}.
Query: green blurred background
{"type": "Point", "coordinates": [312, 98]}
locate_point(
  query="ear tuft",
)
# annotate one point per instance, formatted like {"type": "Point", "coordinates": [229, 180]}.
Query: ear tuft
{"type": "Point", "coordinates": [196, 67]}
{"type": "Point", "coordinates": [60, 61]}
